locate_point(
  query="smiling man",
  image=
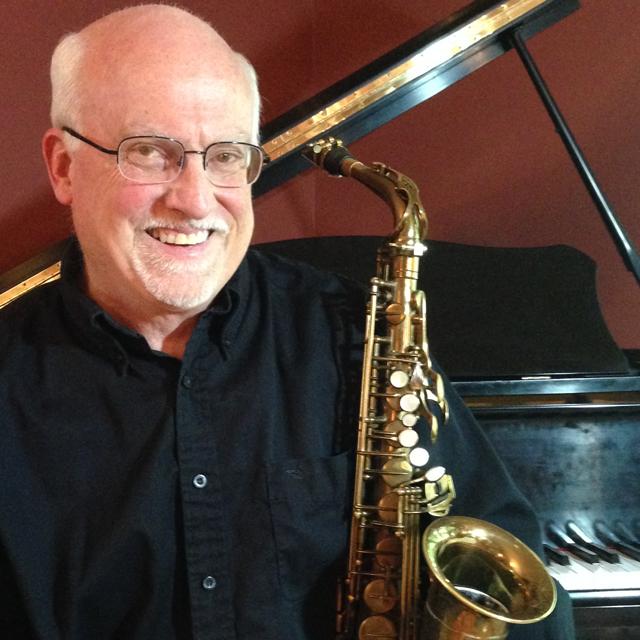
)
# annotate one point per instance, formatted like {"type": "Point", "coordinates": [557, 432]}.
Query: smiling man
{"type": "Point", "coordinates": [161, 230]}
{"type": "Point", "coordinates": [178, 412]}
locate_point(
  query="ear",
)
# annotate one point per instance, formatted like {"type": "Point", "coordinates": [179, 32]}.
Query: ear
{"type": "Point", "coordinates": [58, 161]}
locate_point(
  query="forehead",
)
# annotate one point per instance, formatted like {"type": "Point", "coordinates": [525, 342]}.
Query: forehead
{"type": "Point", "coordinates": [177, 105]}
{"type": "Point", "coordinates": [163, 80]}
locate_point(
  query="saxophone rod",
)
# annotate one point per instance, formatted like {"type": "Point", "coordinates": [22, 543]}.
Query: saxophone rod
{"type": "Point", "coordinates": [620, 236]}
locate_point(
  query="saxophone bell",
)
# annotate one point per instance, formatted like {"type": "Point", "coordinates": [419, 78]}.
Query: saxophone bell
{"type": "Point", "coordinates": [482, 579]}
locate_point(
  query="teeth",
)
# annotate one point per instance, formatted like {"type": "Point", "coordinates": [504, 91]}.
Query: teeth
{"type": "Point", "coordinates": [172, 237]}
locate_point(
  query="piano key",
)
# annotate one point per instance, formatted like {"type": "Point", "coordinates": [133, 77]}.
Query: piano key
{"type": "Point", "coordinates": [624, 533]}
{"type": "Point", "coordinates": [612, 540]}
{"type": "Point", "coordinates": [557, 535]}
{"type": "Point", "coordinates": [554, 554]}
{"type": "Point", "coordinates": [584, 540]}
{"type": "Point", "coordinates": [583, 576]}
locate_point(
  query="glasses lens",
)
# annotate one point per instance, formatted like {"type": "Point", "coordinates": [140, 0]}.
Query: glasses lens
{"type": "Point", "coordinates": [233, 164]}
{"type": "Point", "coordinates": [150, 159]}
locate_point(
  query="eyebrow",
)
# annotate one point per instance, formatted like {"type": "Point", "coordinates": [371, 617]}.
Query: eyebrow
{"type": "Point", "coordinates": [135, 129]}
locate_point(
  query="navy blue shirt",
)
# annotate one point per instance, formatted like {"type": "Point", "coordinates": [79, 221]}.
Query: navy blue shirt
{"type": "Point", "coordinates": [209, 498]}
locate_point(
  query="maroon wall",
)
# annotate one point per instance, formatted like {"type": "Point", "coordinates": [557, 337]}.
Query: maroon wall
{"type": "Point", "coordinates": [491, 169]}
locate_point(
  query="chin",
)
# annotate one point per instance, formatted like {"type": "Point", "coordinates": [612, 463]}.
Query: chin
{"type": "Point", "coordinates": [184, 297]}
{"type": "Point", "coordinates": [182, 291]}
{"type": "Point", "coordinates": [179, 285]}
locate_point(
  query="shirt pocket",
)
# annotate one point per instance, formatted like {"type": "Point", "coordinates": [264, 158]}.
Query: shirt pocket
{"type": "Point", "coordinates": [310, 504]}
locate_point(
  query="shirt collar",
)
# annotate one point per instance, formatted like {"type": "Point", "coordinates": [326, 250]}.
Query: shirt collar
{"type": "Point", "coordinates": [220, 322]}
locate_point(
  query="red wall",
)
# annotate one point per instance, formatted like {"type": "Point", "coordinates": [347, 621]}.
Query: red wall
{"type": "Point", "coordinates": [492, 170]}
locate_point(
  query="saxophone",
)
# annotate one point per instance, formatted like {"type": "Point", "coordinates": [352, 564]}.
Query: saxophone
{"type": "Point", "coordinates": [481, 577]}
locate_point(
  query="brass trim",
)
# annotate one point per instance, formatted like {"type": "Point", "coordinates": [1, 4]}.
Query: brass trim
{"type": "Point", "coordinates": [424, 61]}
{"type": "Point", "coordinates": [46, 275]}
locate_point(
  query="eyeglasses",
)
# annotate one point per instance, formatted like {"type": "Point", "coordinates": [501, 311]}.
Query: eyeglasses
{"type": "Point", "coordinates": [157, 159]}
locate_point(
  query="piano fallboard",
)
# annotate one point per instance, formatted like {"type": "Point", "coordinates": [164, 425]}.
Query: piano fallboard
{"type": "Point", "coordinates": [572, 444]}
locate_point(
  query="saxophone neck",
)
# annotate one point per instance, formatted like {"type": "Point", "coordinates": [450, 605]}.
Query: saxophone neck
{"type": "Point", "coordinates": [397, 190]}
{"type": "Point", "coordinates": [403, 197]}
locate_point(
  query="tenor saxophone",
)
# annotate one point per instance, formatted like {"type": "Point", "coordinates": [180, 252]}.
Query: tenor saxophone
{"type": "Point", "coordinates": [481, 578]}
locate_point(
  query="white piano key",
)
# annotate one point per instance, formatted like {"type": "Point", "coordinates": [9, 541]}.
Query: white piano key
{"type": "Point", "coordinates": [603, 576]}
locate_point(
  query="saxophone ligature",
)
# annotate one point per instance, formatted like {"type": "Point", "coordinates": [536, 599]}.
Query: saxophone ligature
{"type": "Point", "coordinates": [481, 578]}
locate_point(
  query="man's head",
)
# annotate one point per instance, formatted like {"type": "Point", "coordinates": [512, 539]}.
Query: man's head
{"type": "Point", "coordinates": [151, 70]}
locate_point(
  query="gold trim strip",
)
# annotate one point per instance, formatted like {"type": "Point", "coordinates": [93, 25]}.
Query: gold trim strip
{"type": "Point", "coordinates": [424, 61]}
{"type": "Point", "coordinates": [46, 275]}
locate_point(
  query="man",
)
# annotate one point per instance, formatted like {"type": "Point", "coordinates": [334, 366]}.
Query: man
{"type": "Point", "coordinates": [178, 413]}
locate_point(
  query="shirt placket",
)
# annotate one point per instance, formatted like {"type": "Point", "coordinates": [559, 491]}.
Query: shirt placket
{"type": "Point", "coordinates": [205, 529]}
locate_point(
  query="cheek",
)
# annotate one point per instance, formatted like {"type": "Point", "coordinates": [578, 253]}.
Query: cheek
{"type": "Point", "coordinates": [132, 203]}
{"type": "Point", "coordinates": [240, 206]}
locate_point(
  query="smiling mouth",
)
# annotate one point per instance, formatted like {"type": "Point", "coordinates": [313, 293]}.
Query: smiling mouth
{"type": "Point", "coordinates": [180, 238]}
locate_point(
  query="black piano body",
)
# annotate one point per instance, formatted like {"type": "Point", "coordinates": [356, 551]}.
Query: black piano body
{"type": "Point", "coordinates": [573, 447]}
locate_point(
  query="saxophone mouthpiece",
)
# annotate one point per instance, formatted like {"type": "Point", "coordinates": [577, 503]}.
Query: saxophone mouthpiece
{"type": "Point", "coordinates": [329, 155]}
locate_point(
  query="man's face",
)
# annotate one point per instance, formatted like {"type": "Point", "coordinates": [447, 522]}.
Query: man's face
{"type": "Point", "coordinates": [170, 245]}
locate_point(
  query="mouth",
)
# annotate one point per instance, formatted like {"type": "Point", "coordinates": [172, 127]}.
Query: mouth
{"type": "Point", "coordinates": [180, 238]}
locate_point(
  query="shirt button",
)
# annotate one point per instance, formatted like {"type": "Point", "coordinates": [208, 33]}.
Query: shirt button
{"type": "Point", "coordinates": [187, 382]}
{"type": "Point", "coordinates": [200, 481]}
{"type": "Point", "coordinates": [209, 583]}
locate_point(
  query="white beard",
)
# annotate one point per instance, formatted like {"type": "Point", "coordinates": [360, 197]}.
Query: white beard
{"type": "Point", "coordinates": [180, 284]}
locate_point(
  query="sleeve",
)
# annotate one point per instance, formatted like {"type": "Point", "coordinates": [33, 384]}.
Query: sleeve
{"type": "Point", "coordinates": [485, 490]}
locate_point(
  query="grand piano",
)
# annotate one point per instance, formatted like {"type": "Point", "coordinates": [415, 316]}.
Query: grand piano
{"type": "Point", "coordinates": [526, 348]}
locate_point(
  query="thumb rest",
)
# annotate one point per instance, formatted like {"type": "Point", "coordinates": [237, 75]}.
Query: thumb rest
{"type": "Point", "coordinates": [475, 590]}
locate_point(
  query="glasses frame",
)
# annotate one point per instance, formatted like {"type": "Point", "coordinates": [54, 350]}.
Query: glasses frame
{"type": "Point", "coordinates": [116, 152]}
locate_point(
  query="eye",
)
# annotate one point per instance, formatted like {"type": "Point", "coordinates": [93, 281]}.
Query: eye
{"type": "Point", "coordinates": [145, 152]}
{"type": "Point", "coordinates": [149, 154]}
{"type": "Point", "coordinates": [226, 157]}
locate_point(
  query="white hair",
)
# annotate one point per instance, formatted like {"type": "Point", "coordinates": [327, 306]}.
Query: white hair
{"type": "Point", "coordinates": [66, 78]}
{"type": "Point", "coordinates": [67, 83]}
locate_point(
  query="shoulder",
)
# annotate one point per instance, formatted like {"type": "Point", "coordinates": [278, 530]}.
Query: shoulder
{"type": "Point", "coordinates": [298, 278]}
{"type": "Point", "coordinates": [29, 315]}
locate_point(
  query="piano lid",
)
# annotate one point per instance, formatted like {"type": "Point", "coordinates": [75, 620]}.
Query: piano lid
{"type": "Point", "coordinates": [403, 78]}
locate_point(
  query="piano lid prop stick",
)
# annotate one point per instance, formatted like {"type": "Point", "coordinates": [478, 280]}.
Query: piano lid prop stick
{"type": "Point", "coordinates": [620, 236]}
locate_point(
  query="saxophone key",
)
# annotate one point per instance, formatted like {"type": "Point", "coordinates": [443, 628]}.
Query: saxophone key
{"type": "Point", "coordinates": [439, 491]}
{"type": "Point", "coordinates": [389, 552]}
{"type": "Point", "coordinates": [408, 419]}
{"type": "Point", "coordinates": [380, 595]}
{"type": "Point", "coordinates": [395, 313]}
{"type": "Point", "coordinates": [409, 438]}
{"type": "Point", "coordinates": [377, 628]}
{"type": "Point", "coordinates": [388, 507]}
{"type": "Point", "coordinates": [397, 471]}
{"type": "Point", "coordinates": [399, 379]}
{"type": "Point", "coordinates": [418, 457]}
{"type": "Point", "coordinates": [410, 402]}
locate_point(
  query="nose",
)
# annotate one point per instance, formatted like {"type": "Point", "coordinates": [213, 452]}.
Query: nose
{"type": "Point", "coordinates": [191, 193]}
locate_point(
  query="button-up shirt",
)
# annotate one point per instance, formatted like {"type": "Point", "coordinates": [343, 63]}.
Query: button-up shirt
{"type": "Point", "coordinates": [146, 497]}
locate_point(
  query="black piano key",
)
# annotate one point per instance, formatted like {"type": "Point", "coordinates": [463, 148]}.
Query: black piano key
{"type": "Point", "coordinates": [555, 555]}
{"type": "Point", "coordinates": [585, 541]}
{"type": "Point", "coordinates": [624, 533]}
{"type": "Point", "coordinates": [557, 535]}
{"type": "Point", "coordinates": [635, 528]}
{"type": "Point", "coordinates": [612, 540]}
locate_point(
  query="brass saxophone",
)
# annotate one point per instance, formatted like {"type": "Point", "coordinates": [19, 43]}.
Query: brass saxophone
{"type": "Point", "coordinates": [481, 577]}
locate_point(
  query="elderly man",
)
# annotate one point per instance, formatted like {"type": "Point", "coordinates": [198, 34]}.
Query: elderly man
{"type": "Point", "coordinates": [177, 412]}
